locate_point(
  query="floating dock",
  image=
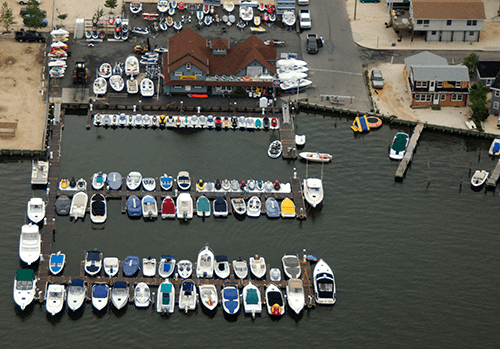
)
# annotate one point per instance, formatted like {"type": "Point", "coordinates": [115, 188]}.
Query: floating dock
{"type": "Point", "coordinates": [412, 146]}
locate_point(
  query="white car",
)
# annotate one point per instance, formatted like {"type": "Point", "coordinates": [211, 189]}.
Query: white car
{"type": "Point", "coordinates": [305, 19]}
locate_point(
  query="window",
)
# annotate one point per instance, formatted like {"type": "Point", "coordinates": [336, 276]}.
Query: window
{"type": "Point", "coordinates": [495, 105]}
{"type": "Point", "coordinates": [178, 73]}
{"type": "Point", "coordinates": [471, 33]}
{"type": "Point", "coordinates": [448, 22]}
{"type": "Point", "coordinates": [471, 22]}
{"type": "Point", "coordinates": [176, 86]}
{"type": "Point", "coordinates": [426, 22]}
{"type": "Point", "coordinates": [419, 21]}
{"type": "Point", "coordinates": [439, 84]}
{"type": "Point", "coordinates": [489, 82]}
{"type": "Point", "coordinates": [442, 97]}
{"type": "Point", "coordinates": [497, 93]}
{"type": "Point", "coordinates": [198, 87]}
{"type": "Point", "coordinates": [188, 65]}
{"type": "Point", "coordinates": [455, 97]}
{"type": "Point", "coordinates": [198, 73]}
{"type": "Point", "coordinates": [458, 84]}
{"type": "Point", "coordinates": [433, 32]}
{"type": "Point", "coordinates": [420, 84]}
{"type": "Point", "coordinates": [422, 97]}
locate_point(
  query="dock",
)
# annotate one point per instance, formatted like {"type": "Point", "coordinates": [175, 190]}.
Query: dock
{"type": "Point", "coordinates": [491, 183]}
{"type": "Point", "coordinates": [287, 134]}
{"type": "Point", "coordinates": [412, 146]}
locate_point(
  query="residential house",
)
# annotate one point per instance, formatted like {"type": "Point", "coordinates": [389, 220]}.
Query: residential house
{"type": "Point", "coordinates": [194, 64]}
{"type": "Point", "coordinates": [495, 96]}
{"type": "Point", "coordinates": [448, 20]}
{"type": "Point", "coordinates": [487, 71]}
{"type": "Point", "coordinates": [431, 81]}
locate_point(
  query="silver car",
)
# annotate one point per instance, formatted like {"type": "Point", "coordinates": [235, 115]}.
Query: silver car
{"type": "Point", "coordinates": [377, 79]}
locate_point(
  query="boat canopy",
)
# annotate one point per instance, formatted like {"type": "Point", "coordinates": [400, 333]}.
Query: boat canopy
{"type": "Point", "coordinates": [221, 258]}
{"type": "Point", "coordinates": [100, 291]}
{"type": "Point", "coordinates": [275, 297]}
{"type": "Point", "coordinates": [252, 297]}
{"type": "Point", "coordinates": [166, 288]}
{"type": "Point", "coordinates": [25, 275]}
{"type": "Point", "coordinates": [400, 141]}
{"type": "Point", "coordinates": [77, 282]}
{"type": "Point", "coordinates": [57, 259]}
{"type": "Point", "coordinates": [98, 205]}
{"type": "Point", "coordinates": [120, 284]}
{"type": "Point", "coordinates": [93, 256]}
{"type": "Point", "coordinates": [188, 286]}
{"type": "Point", "coordinates": [230, 293]}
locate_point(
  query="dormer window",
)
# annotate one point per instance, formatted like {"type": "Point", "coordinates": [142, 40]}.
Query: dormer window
{"type": "Point", "coordinates": [188, 65]}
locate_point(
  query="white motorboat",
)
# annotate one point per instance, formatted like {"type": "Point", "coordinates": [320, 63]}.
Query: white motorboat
{"type": "Point", "coordinates": [295, 296]}
{"type": "Point", "coordinates": [254, 206]}
{"type": "Point", "coordinates": [313, 191]}
{"type": "Point", "coordinates": [257, 266]}
{"type": "Point", "coordinates": [208, 296]}
{"type": "Point", "coordinates": [111, 265]}
{"type": "Point", "coordinates": [203, 207]}
{"type": "Point", "coordinates": [24, 287]}
{"type": "Point", "coordinates": [315, 156]}
{"type": "Point", "coordinates": [93, 262]}
{"type": "Point", "coordinates": [398, 147]}
{"type": "Point", "coordinates": [324, 283]}
{"type": "Point", "coordinates": [36, 210]}
{"type": "Point", "coordinates": [119, 294]}
{"type": "Point", "coordinates": [98, 180]}
{"type": "Point", "coordinates": [239, 206]}
{"type": "Point", "coordinates": [290, 63]}
{"type": "Point", "coordinates": [246, 13]}
{"type": "Point", "coordinates": [149, 267]}
{"type": "Point", "coordinates": [149, 207]}
{"type": "Point", "coordinates": [184, 206]}
{"type": "Point", "coordinates": [252, 299]}
{"type": "Point", "coordinates": [100, 296]}
{"type": "Point", "coordinates": [291, 265]}
{"type": "Point", "coordinates": [185, 268]}
{"type": "Point", "coordinates": [166, 266]}
{"type": "Point", "coordinates": [77, 292]}
{"type": "Point", "coordinates": [132, 66]}
{"type": "Point", "coordinates": [205, 263]}
{"type": "Point", "coordinates": [142, 295]}
{"type": "Point", "coordinates": [291, 75]}
{"type": "Point", "coordinates": [230, 298]}
{"type": "Point", "coordinates": [495, 147]}
{"type": "Point", "coordinates": [220, 207]}
{"type": "Point", "coordinates": [29, 243]}
{"type": "Point", "coordinates": [274, 300]}
{"type": "Point", "coordinates": [117, 83]}
{"type": "Point", "coordinates": [56, 262]}
{"type": "Point", "coordinates": [240, 268]}
{"type": "Point", "coordinates": [100, 86]}
{"type": "Point", "coordinates": [147, 87]}
{"type": "Point", "coordinates": [288, 18]}
{"type": "Point", "coordinates": [165, 298]}
{"type": "Point", "coordinates": [55, 296]}
{"type": "Point", "coordinates": [275, 149]}
{"type": "Point", "coordinates": [98, 209]}
{"type": "Point", "coordinates": [479, 178]}
{"type": "Point", "coordinates": [183, 180]}
{"type": "Point", "coordinates": [134, 180]}
{"type": "Point", "coordinates": [148, 183]}
{"type": "Point", "coordinates": [132, 86]}
{"type": "Point", "coordinates": [221, 267]}
{"type": "Point", "coordinates": [187, 295]}
{"type": "Point", "coordinates": [78, 206]}
{"type": "Point", "coordinates": [294, 84]}
{"type": "Point", "coordinates": [39, 171]}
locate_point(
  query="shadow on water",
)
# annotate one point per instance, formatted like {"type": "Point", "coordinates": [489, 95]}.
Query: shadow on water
{"type": "Point", "coordinates": [55, 319]}
{"type": "Point", "coordinates": [100, 313]}
{"type": "Point", "coordinates": [77, 315]}
{"type": "Point", "coordinates": [119, 312]}
{"type": "Point", "coordinates": [231, 317]}
{"type": "Point", "coordinates": [26, 313]}
{"type": "Point", "coordinates": [210, 313]}
{"type": "Point", "coordinates": [294, 316]}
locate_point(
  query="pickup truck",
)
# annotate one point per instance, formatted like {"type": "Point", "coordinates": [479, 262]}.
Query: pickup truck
{"type": "Point", "coordinates": [305, 19]}
{"type": "Point", "coordinates": [30, 36]}
{"type": "Point", "coordinates": [312, 43]}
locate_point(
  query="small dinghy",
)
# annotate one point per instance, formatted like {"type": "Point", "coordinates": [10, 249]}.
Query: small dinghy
{"type": "Point", "coordinates": [275, 149]}
{"type": "Point", "coordinates": [98, 209]}
{"type": "Point", "coordinates": [63, 204]}
{"type": "Point", "coordinates": [272, 208]}
{"type": "Point", "coordinates": [230, 298]}
{"type": "Point", "coordinates": [100, 296]}
{"type": "Point", "coordinates": [254, 207]}
{"type": "Point", "coordinates": [55, 296]}
{"type": "Point", "coordinates": [274, 301]}
{"type": "Point", "coordinates": [134, 180]}
{"type": "Point", "coordinates": [57, 262]}
{"type": "Point", "coordinates": [168, 208]}
{"type": "Point", "coordinates": [132, 86]}
{"type": "Point", "coordinates": [479, 178]}
{"type": "Point", "coordinates": [165, 299]}
{"type": "Point", "coordinates": [252, 302]}
{"type": "Point", "coordinates": [291, 265]}
{"type": "Point", "coordinates": [111, 265]}
{"type": "Point", "coordinates": [93, 262]}
{"type": "Point", "coordinates": [78, 205]}
{"type": "Point", "coordinates": [203, 207]}
{"type": "Point", "coordinates": [98, 180]}
{"type": "Point", "coordinates": [239, 206]}
{"type": "Point", "coordinates": [221, 267]}
{"type": "Point", "coordinates": [142, 295]}
{"type": "Point", "coordinates": [166, 182]}
{"type": "Point", "coordinates": [131, 66]}
{"type": "Point", "coordinates": [114, 180]}
{"type": "Point", "coordinates": [119, 294]}
{"type": "Point", "coordinates": [300, 140]}
{"type": "Point", "coordinates": [36, 210]}
{"type": "Point", "coordinates": [495, 147]}
{"type": "Point", "coordinates": [240, 268]}
{"type": "Point", "coordinates": [257, 266]}
{"type": "Point", "coordinates": [324, 283]}
{"type": "Point", "coordinates": [275, 275]}
{"type": "Point", "coordinates": [148, 183]}
{"type": "Point", "coordinates": [295, 295]}
{"type": "Point", "coordinates": [208, 296]}
{"type": "Point", "coordinates": [77, 292]}
{"type": "Point", "coordinates": [117, 83]}
{"type": "Point", "coordinates": [166, 266]}
{"type": "Point", "coordinates": [134, 206]}
{"type": "Point", "coordinates": [149, 207]}
{"type": "Point", "coordinates": [147, 87]}
{"type": "Point", "coordinates": [184, 206]}
{"type": "Point", "coordinates": [149, 267]}
{"type": "Point", "coordinates": [131, 265]}
{"type": "Point", "coordinates": [287, 208]}
{"type": "Point", "coordinates": [100, 86]}
{"type": "Point", "coordinates": [183, 180]}
{"type": "Point", "coordinates": [220, 207]}
{"type": "Point", "coordinates": [185, 268]}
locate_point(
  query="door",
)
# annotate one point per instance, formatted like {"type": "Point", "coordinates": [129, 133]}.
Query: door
{"type": "Point", "coordinates": [436, 99]}
{"type": "Point", "coordinates": [432, 85]}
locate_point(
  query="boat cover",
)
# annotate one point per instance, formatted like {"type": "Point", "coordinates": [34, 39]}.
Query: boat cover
{"type": "Point", "coordinates": [77, 282]}
{"type": "Point", "coordinates": [120, 284]}
{"type": "Point", "coordinates": [496, 147]}
{"type": "Point", "coordinates": [100, 291]}
{"type": "Point", "coordinates": [165, 299]}
{"type": "Point", "coordinates": [252, 297]}
{"type": "Point", "coordinates": [166, 288]}
{"type": "Point", "coordinates": [167, 266]}
{"type": "Point", "coordinates": [130, 265]}
{"type": "Point", "coordinates": [220, 204]}
{"type": "Point", "coordinates": [399, 143]}
{"type": "Point", "coordinates": [188, 286]}
{"type": "Point", "coordinates": [230, 299]}
{"type": "Point", "coordinates": [221, 258]}
{"type": "Point", "coordinates": [25, 275]}
{"type": "Point", "coordinates": [94, 256]}
{"type": "Point", "coordinates": [275, 297]}
{"type": "Point", "coordinates": [57, 259]}
{"type": "Point", "coordinates": [98, 205]}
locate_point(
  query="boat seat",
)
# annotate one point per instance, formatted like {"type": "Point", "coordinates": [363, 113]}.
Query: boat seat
{"type": "Point", "coordinates": [252, 297]}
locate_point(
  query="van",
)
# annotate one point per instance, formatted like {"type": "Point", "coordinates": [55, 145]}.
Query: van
{"type": "Point", "coordinates": [302, 2]}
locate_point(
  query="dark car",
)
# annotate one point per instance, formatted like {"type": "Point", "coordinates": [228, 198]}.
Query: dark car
{"type": "Point", "coordinates": [312, 43]}
{"type": "Point", "coordinates": [30, 36]}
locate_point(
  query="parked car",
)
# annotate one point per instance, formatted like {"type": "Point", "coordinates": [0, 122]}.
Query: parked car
{"type": "Point", "coordinates": [312, 43]}
{"type": "Point", "coordinates": [377, 79]}
{"type": "Point", "coordinates": [305, 19]}
{"type": "Point", "coordinates": [302, 2]}
{"type": "Point", "coordinates": [24, 2]}
{"type": "Point", "coordinates": [30, 36]}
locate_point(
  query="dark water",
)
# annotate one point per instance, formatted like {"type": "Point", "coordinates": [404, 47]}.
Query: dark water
{"type": "Point", "coordinates": [416, 263]}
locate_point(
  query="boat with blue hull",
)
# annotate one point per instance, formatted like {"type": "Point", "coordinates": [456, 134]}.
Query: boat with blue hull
{"type": "Point", "coordinates": [114, 180]}
{"type": "Point", "coordinates": [272, 208]}
{"type": "Point", "coordinates": [131, 265]}
{"type": "Point", "coordinates": [56, 262]}
{"type": "Point", "coordinates": [230, 298]}
{"type": "Point", "coordinates": [134, 206]}
{"type": "Point", "coordinates": [100, 296]}
{"type": "Point", "coordinates": [93, 262]}
{"type": "Point", "coordinates": [166, 182]}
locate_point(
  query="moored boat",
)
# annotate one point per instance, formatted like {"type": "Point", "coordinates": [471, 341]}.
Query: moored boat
{"type": "Point", "coordinates": [134, 180]}
{"type": "Point", "coordinates": [149, 267]}
{"type": "Point", "coordinates": [183, 180]}
{"type": "Point", "coordinates": [324, 283]}
{"type": "Point", "coordinates": [295, 295]}
{"type": "Point", "coordinates": [55, 296]}
{"type": "Point", "coordinates": [165, 301]}
{"type": "Point", "coordinates": [313, 191]}
{"type": "Point", "coordinates": [63, 204]}
{"type": "Point", "coordinates": [230, 298]}
{"type": "Point", "coordinates": [134, 206]}
{"type": "Point", "coordinates": [275, 149]}
{"type": "Point", "coordinates": [240, 268]}
{"type": "Point", "coordinates": [398, 147]}
{"type": "Point", "coordinates": [220, 207]}
{"type": "Point", "coordinates": [29, 243]}
{"type": "Point", "coordinates": [203, 207]}
{"type": "Point", "coordinates": [291, 265]}
{"type": "Point", "coordinates": [148, 183]}
{"type": "Point", "coordinates": [166, 266]}
{"type": "Point", "coordinates": [77, 291]}
{"type": "Point", "coordinates": [149, 207]}
{"type": "Point", "coordinates": [272, 208]}
{"type": "Point", "coordinates": [166, 182]}
{"type": "Point", "coordinates": [257, 266]}
{"type": "Point", "coordinates": [495, 147]}
{"type": "Point", "coordinates": [185, 268]}
{"type": "Point", "coordinates": [24, 287]}
{"type": "Point", "coordinates": [205, 263]}
{"type": "Point", "coordinates": [208, 296]}
{"type": "Point", "coordinates": [142, 295]}
{"type": "Point", "coordinates": [131, 265]}
{"type": "Point", "coordinates": [114, 180]}
{"type": "Point", "coordinates": [98, 180]}
{"type": "Point", "coordinates": [221, 267]}
{"type": "Point", "coordinates": [36, 210]}
{"type": "Point", "coordinates": [239, 206]}
{"type": "Point", "coordinates": [275, 302]}
{"type": "Point", "coordinates": [168, 208]}
{"type": "Point", "coordinates": [93, 262]}
{"type": "Point", "coordinates": [479, 178]}
{"type": "Point", "coordinates": [251, 297]}
{"type": "Point", "coordinates": [187, 295]}
{"type": "Point", "coordinates": [57, 262]}
{"type": "Point", "coordinates": [39, 171]}
{"type": "Point", "coordinates": [100, 296]}
{"type": "Point", "coordinates": [315, 156]}
{"type": "Point", "coordinates": [184, 206]}
{"type": "Point", "coordinates": [98, 209]}
{"type": "Point", "coordinates": [119, 294]}
{"type": "Point", "coordinates": [254, 206]}
{"type": "Point", "coordinates": [111, 265]}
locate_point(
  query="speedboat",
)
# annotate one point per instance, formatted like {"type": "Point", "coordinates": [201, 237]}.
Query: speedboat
{"type": "Point", "coordinates": [184, 206]}
{"type": "Point", "coordinates": [240, 268]}
{"type": "Point", "coordinates": [275, 149]}
{"type": "Point", "coordinates": [131, 65]}
{"type": "Point", "coordinates": [39, 171]}
{"type": "Point", "coordinates": [117, 83]}
{"type": "Point", "coordinates": [220, 207]}
{"type": "Point", "coordinates": [77, 292]}
{"type": "Point", "coordinates": [131, 265]}
{"type": "Point", "coordinates": [275, 274]}
{"type": "Point", "coordinates": [78, 206]}
{"type": "Point", "coordinates": [274, 300]}
{"type": "Point", "coordinates": [239, 206]}
{"type": "Point", "coordinates": [479, 178]}
{"type": "Point", "coordinates": [315, 156]}
{"type": "Point", "coordinates": [287, 208]}
{"type": "Point", "coordinates": [257, 266]}
{"type": "Point", "coordinates": [98, 180]}
{"type": "Point", "coordinates": [324, 283]}
{"type": "Point", "coordinates": [185, 268]}
{"type": "Point", "coordinates": [56, 262]}
{"type": "Point", "coordinates": [114, 180]}
{"type": "Point", "coordinates": [291, 265]}
{"type": "Point", "coordinates": [398, 146]}
{"type": "Point", "coordinates": [254, 206]}
{"type": "Point", "coordinates": [149, 267]}
{"type": "Point", "coordinates": [98, 209]}
{"type": "Point", "coordinates": [100, 86]}
{"type": "Point", "coordinates": [142, 295]}
{"type": "Point", "coordinates": [168, 208]}
{"type": "Point", "coordinates": [252, 301]}
{"type": "Point", "coordinates": [205, 263]}
{"type": "Point", "coordinates": [165, 301]}
{"type": "Point", "coordinates": [148, 183]}
{"type": "Point", "coordinates": [221, 267]}
{"type": "Point", "coordinates": [111, 266]}
{"type": "Point", "coordinates": [294, 85]}
{"type": "Point", "coordinates": [149, 207]}
{"type": "Point", "coordinates": [55, 296]}
{"type": "Point", "coordinates": [166, 266]}
{"type": "Point", "coordinates": [134, 180]}
{"type": "Point", "coordinates": [288, 18]}
{"type": "Point", "coordinates": [147, 87]}
{"type": "Point", "coordinates": [119, 294]}
{"type": "Point", "coordinates": [203, 207]}
{"type": "Point", "coordinates": [495, 147]}
{"type": "Point", "coordinates": [187, 296]}
{"type": "Point", "coordinates": [100, 296]}
{"type": "Point", "coordinates": [24, 287]}
{"type": "Point", "coordinates": [230, 298]}
{"type": "Point", "coordinates": [166, 182]}
{"type": "Point", "coordinates": [295, 295]}
{"type": "Point", "coordinates": [36, 210]}
{"type": "Point", "coordinates": [63, 204]}
{"type": "Point", "coordinates": [29, 243]}
{"type": "Point", "coordinates": [208, 296]}
{"type": "Point", "coordinates": [93, 262]}
{"type": "Point", "coordinates": [313, 191]}
{"type": "Point", "coordinates": [272, 208]}
{"type": "Point", "coordinates": [183, 180]}
{"type": "Point", "coordinates": [134, 206]}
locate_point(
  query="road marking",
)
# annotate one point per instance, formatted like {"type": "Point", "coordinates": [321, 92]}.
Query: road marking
{"type": "Point", "coordinates": [335, 71]}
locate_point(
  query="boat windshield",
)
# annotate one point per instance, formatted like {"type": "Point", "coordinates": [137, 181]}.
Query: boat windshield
{"type": "Point", "coordinates": [24, 285]}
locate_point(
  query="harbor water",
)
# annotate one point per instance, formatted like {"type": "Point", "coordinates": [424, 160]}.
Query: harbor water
{"type": "Point", "coordinates": [415, 262]}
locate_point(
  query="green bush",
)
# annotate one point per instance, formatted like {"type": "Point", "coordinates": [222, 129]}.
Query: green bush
{"type": "Point", "coordinates": [239, 93]}
{"type": "Point", "coordinates": [436, 107]}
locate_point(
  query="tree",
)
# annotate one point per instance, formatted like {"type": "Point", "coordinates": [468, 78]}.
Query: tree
{"type": "Point", "coordinates": [34, 18]}
{"type": "Point", "coordinates": [471, 62]}
{"type": "Point", "coordinates": [478, 101]}
{"type": "Point", "coordinates": [111, 4]}
{"type": "Point", "coordinates": [6, 17]}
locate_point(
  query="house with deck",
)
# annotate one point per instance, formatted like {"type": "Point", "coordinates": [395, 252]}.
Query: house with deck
{"type": "Point", "coordinates": [195, 65]}
{"type": "Point", "coordinates": [487, 71]}
{"type": "Point", "coordinates": [432, 81]}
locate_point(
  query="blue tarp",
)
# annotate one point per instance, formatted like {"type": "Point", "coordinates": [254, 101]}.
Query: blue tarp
{"type": "Point", "coordinates": [496, 147]}
{"type": "Point", "coordinates": [100, 291]}
{"type": "Point", "coordinates": [120, 284]}
{"type": "Point", "coordinates": [188, 286]}
{"type": "Point", "coordinates": [77, 282]}
{"type": "Point", "coordinates": [221, 258]}
{"type": "Point", "coordinates": [230, 293]}
{"type": "Point", "coordinates": [56, 258]}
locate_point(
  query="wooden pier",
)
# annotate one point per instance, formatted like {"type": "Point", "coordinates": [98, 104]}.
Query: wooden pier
{"type": "Point", "coordinates": [491, 183]}
{"type": "Point", "coordinates": [287, 134]}
{"type": "Point", "coordinates": [412, 146]}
